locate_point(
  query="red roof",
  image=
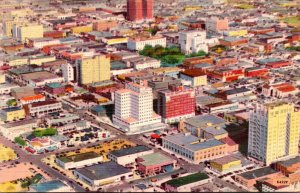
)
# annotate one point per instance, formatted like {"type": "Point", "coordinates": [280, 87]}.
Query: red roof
{"type": "Point", "coordinates": [228, 141]}
{"type": "Point", "coordinates": [155, 136]}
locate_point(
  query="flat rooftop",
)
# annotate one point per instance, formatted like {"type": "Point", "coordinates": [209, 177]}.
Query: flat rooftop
{"type": "Point", "coordinates": [261, 172]}
{"type": "Point", "coordinates": [202, 121]}
{"type": "Point", "coordinates": [155, 159]}
{"type": "Point", "coordinates": [79, 157]}
{"type": "Point", "coordinates": [129, 151]}
{"type": "Point", "coordinates": [103, 171]}
{"type": "Point", "coordinates": [192, 142]}
{"type": "Point", "coordinates": [225, 160]}
{"type": "Point", "coordinates": [290, 162]}
{"type": "Point", "coordinates": [187, 179]}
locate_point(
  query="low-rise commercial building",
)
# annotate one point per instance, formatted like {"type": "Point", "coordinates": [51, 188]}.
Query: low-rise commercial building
{"type": "Point", "coordinates": [32, 99]}
{"type": "Point", "coordinates": [38, 109]}
{"type": "Point", "coordinates": [102, 174]}
{"type": "Point", "coordinates": [193, 149]}
{"type": "Point", "coordinates": [194, 77]}
{"type": "Point", "coordinates": [225, 164]}
{"type": "Point", "coordinates": [12, 113]}
{"type": "Point", "coordinates": [186, 183]}
{"type": "Point", "coordinates": [17, 128]}
{"type": "Point", "coordinates": [138, 43]}
{"type": "Point", "coordinates": [78, 160]}
{"type": "Point", "coordinates": [154, 163]}
{"type": "Point", "coordinates": [202, 125]}
{"type": "Point", "coordinates": [250, 178]}
{"type": "Point", "coordinates": [129, 155]}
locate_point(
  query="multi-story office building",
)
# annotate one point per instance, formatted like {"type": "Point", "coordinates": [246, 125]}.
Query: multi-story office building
{"type": "Point", "coordinates": [193, 149]}
{"type": "Point", "coordinates": [134, 109]}
{"type": "Point", "coordinates": [93, 69]}
{"type": "Point", "coordinates": [273, 132]}
{"type": "Point", "coordinates": [25, 32]}
{"type": "Point", "coordinates": [139, 10]}
{"type": "Point", "coordinates": [176, 103]}
{"type": "Point", "coordinates": [193, 41]}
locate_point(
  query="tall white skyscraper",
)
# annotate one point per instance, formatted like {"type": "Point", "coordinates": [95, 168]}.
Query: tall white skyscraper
{"type": "Point", "coordinates": [134, 109]}
{"type": "Point", "coordinates": [273, 132]}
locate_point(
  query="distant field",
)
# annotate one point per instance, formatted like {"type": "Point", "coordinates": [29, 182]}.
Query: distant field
{"type": "Point", "coordinates": [244, 6]}
{"type": "Point", "coordinates": [12, 187]}
{"type": "Point", "coordinates": [292, 21]}
{"type": "Point", "coordinates": [6, 154]}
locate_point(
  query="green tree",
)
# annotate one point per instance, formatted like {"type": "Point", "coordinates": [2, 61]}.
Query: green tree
{"type": "Point", "coordinates": [12, 102]}
{"type": "Point", "coordinates": [20, 141]}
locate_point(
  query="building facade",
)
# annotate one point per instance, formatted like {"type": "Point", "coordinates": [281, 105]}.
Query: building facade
{"type": "Point", "coordinates": [139, 43]}
{"type": "Point", "coordinates": [139, 10]}
{"type": "Point", "coordinates": [93, 69]}
{"type": "Point", "coordinates": [193, 41]}
{"type": "Point", "coordinates": [176, 103]}
{"type": "Point", "coordinates": [273, 132]}
{"type": "Point", "coordinates": [134, 107]}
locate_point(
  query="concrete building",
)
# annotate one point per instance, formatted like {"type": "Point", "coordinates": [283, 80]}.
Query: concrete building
{"type": "Point", "coordinates": [24, 91]}
{"type": "Point", "coordinates": [176, 103]}
{"type": "Point", "coordinates": [7, 88]}
{"type": "Point", "coordinates": [17, 128]}
{"type": "Point", "coordinates": [250, 178]}
{"type": "Point", "coordinates": [138, 43]}
{"type": "Point", "coordinates": [193, 149]}
{"type": "Point", "coordinates": [32, 99]}
{"type": "Point", "coordinates": [78, 160]}
{"type": "Point", "coordinates": [154, 163]}
{"type": "Point", "coordinates": [12, 113]}
{"type": "Point", "coordinates": [129, 155]}
{"type": "Point", "coordinates": [38, 109]}
{"type": "Point", "coordinates": [193, 77]}
{"type": "Point", "coordinates": [24, 32]}
{"type": "Point", "coordinates": [61, 120]}
{"type": "Point", "coordinates": [102, 174]}
{"type": "Point", "coordinates": [193, 41]}
{"type": "Point", "coordinates": [39, 43]}
{"type": "Point", "coordinates": [225, 164]}
{"type": "Point", "coordinates": [68, 72]}
{"type": "Point", "coordinates": [186, 183]}
{"type": "Point", "coordinates": [273, 132]}
{"type": "Point", "coordinates": [93, 69]}
{"type": "Point", "coordinates": [215, 24]}
{"type": "Point", "coordinates": [206, 126]}
{"type": "Point", "coordinates": [134, 109]}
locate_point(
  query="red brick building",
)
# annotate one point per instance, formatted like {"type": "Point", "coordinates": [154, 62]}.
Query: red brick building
{"type": "Point", "coordinates": [139, 10]}
{"type": "Point", "coordinates": [256, 71]}
{"type": "Point", "coordinates": [176, 103]}
{"type": "Point", "coordinates": [226, 74]}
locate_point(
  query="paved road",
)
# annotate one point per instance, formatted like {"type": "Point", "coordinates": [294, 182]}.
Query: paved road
{"type": "Point", "coordinates": [227, 184]}
{"type": "Point", "coordinates": [36, 160]}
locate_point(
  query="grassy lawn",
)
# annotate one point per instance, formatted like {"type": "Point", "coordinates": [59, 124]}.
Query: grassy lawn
{"type": "Point", "coordinates": [6, 154]}
{"type": "Point", "coordinates": [292, 21]}
{"type": "Point", "coordinates": [12, 187]}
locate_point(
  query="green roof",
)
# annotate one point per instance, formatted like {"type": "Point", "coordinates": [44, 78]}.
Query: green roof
{"type": "Point", "coordinates": [79, 157]}
{"type": "Point", "coordinates": [154, 159]}
{"type": "Point", "coordinates": [187, 179]}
